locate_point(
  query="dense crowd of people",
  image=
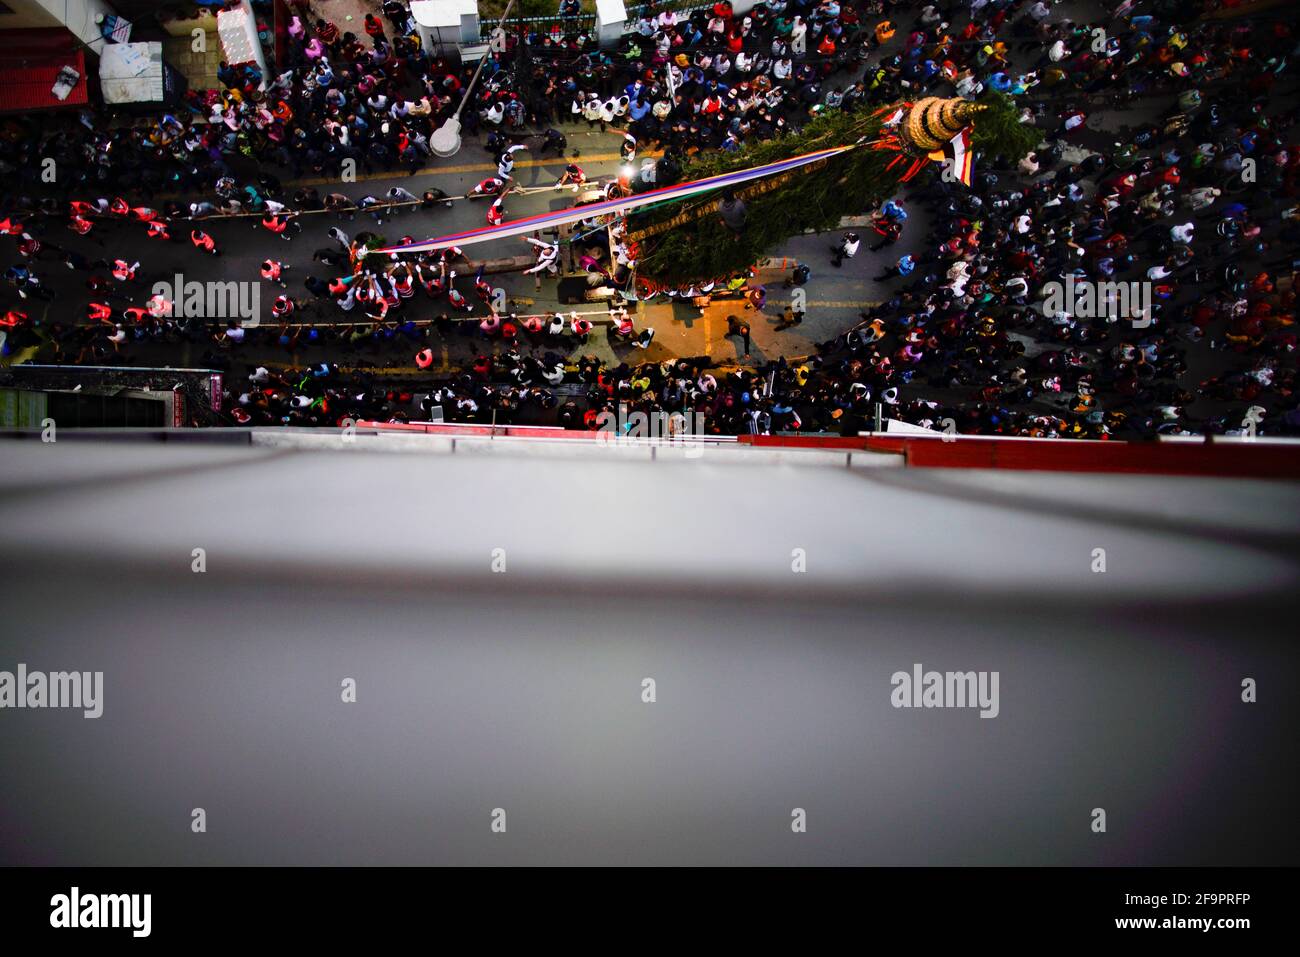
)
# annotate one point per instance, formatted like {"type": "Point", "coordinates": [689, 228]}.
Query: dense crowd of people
{"type": "Point", "coordinates": [1196, 205]}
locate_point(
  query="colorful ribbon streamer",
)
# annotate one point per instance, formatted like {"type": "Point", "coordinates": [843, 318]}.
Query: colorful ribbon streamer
{"type": "Point", "coordinates": [664, 194]}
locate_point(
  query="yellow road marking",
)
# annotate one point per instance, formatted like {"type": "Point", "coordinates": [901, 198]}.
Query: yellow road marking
{"type": "Point", "coordinates": [827, 303]}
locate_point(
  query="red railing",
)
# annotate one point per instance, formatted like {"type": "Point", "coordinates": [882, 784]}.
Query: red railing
{"type": "Point", "coordinates": [1236, 458]}
{"type": "Point", "coordinates": [1257, 459]}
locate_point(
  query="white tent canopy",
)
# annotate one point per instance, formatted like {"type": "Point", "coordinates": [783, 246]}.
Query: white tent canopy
{"type": "Point", "coordinates": [237, 28]}
{"type": "Point", "coordinates": [132, 73]}
{"type": "Point", "coordinates": [446, 23]}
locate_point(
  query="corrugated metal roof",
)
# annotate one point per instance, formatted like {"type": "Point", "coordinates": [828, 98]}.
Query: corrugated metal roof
{"type": "Point", "coordinates": [30, 61]}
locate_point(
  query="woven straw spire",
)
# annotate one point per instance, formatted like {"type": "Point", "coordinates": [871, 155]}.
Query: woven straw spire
{"type": "Point", "coordinates": [933, 121]}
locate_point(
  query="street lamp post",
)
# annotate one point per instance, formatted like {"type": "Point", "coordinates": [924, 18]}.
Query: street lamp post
{"type": "Point", "coordinates": [445, 140]}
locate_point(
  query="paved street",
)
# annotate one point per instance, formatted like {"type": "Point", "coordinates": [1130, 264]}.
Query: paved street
{"type": "Point", "coordinates": [834, 296]}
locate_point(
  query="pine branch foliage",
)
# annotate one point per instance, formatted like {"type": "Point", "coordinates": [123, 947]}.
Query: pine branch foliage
{"type": "Point", "coordinates": [850, 184]}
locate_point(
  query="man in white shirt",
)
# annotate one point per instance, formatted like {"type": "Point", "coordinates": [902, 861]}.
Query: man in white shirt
{"type": "Point", "coordinates": [1203, 198]}
{"type": "Point", "coordinates": [548, 255]}
{"type": "Point", "coordinates": [798, 37]}
{"type": "Point", "coordinates": [968, 86]}
{"type": "Point", "coordinates": [847, 249]}
{"type": "Point", "coordinates": [506, 164]}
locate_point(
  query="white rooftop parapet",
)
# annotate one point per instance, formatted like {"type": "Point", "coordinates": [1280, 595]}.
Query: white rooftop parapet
{"type": "Point", "coordinates": [446, 24]}
{"type": "Point", "coordinates": [611, 20]}
{"type": "Point", "coordinates": [78, 16]}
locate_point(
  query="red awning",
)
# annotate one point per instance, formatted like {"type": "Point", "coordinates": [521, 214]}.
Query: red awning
{"type": "Point", "coordinates": [30, 61]}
